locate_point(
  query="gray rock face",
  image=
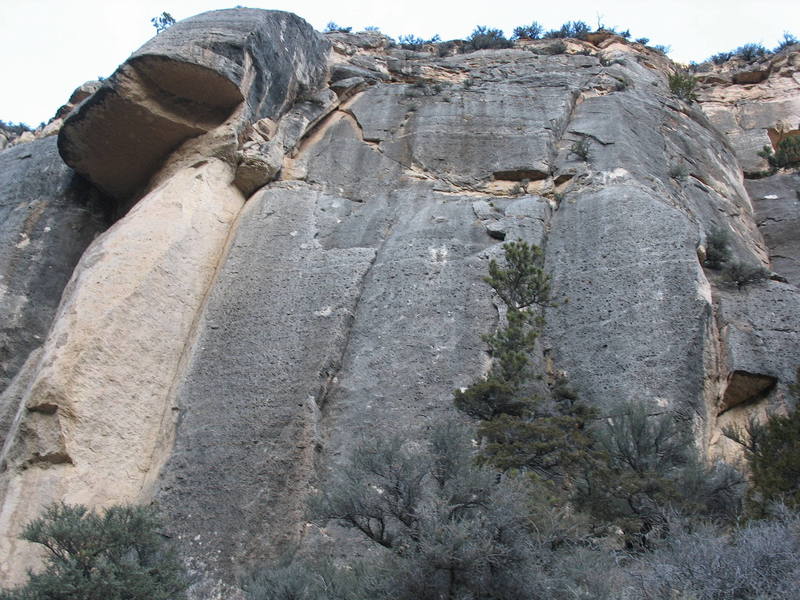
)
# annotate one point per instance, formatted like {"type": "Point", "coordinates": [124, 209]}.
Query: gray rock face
{"type": "Point", "coordinates": [273, 337]}
{"type": "Point", "coordinates": [186, 81]}
{"type": "Point", "coordinates": [776, 201]}
{"type": "Point", "coordinates": [760, 341]}
{"type": "Point", "coordinates": [48, 216]}
{"type": "Point", "coordinates": [361, 323]}
{"type": "Point", "coordinates": [269, 57]}
{"type": "Point", "coordinates": [631, 317]}
{"type": "Point", "coordinates": [486, 127]}
{"type": "Point", "coordinates": [352, 303]}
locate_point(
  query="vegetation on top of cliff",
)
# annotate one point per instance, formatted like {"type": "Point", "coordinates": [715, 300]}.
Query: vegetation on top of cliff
{"type": "Point", "coordinates": [528, 32]}
{"type": "Point", "coordinates": [15, 128]}
{"type": "Point", "coordinates": [787, 41]}
{"type": "Point", "coordinates": [332, 27]}
{"type": "Point", "coordinates": [411, 42]}
{"type": "Point", "coordinates": [571, 29]}
{"type": "Point", "coordinates": [163, 22]}
{"type": "Point", "coordinates": [484, 38]}
{"type": "Point", "coordinates": [120, 555]}
{"type": "Point", "coordinates": [753, 51]}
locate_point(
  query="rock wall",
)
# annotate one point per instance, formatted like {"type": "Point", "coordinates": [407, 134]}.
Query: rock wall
{"type": "Point", "coordinates": [48, 216]}
{"type": "Point", "coordinates": [301, 266]}
{"type": "Point", "coordinates": [755, 104]}
{"type": "Point", "coordinates": [96, 412]}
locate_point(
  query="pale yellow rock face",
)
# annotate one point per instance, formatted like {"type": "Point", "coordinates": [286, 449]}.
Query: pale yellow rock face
{"type": "Point", "coordinates": [100, 415]}
{"type": "Point", "coordinates": [755, 115]}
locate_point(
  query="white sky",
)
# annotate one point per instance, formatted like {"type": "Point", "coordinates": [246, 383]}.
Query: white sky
{"type": "Point", "coordinates": [49, 47]}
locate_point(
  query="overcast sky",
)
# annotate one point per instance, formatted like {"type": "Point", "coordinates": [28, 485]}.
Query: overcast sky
{"type": "Point", "coordinates": [49, 47]}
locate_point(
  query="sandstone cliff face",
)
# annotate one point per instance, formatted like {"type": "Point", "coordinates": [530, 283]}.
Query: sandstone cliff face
{"type": "Point", "coordinates": [302, 265]}
{"type": "Point", "coordinates": [754, 103]}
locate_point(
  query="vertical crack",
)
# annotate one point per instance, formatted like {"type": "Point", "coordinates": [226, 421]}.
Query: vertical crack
{"type": "Point", "coordinates": [322, 403]}
{"type": "Point", "coordinates": [332, 372]}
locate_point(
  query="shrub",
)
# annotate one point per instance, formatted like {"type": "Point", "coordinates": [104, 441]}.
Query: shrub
{"type": "Point", "coordinates": [772, 451]}
{"type": "Point", "coordinates": [576, 29]}
{"type": "Point", "coordinates": [607, 62]}
{"type": "Point", "coordinates": [786, 156]}
{"type": "Point", "coordinates": [445, 49]}
{"type": "Point", "coordinates": [293, 578]}
{"type": "Point", "coordinates": [788, 40]}
{"type": "Point", "coordinates": [409, 42]}
{"type": "Point", "coordinates": [162, 22]}
{"type": "Point", "coordinates": [717, 248]}
{"type": "Point", "coordinates": [570, 29]}
{"type": "Point", "coordinates": [682, 85]}
{"type": "Point", "coordinates": [580, 149]}
{"type": "Point", "coordinates": [721, 58]}
{"type": "Point", "coordinates": [679, 171]}
{"type": "Point", "coordinates": [742, 273]}
{"type": "Point", "coordinates": [117, 556]}
{"type": "Point", "coordinates": [332, 27]}
{"type": "Point", "coordinates": [758, 560]}
{"type": "Point", "coordinates": [647, 468]}
{"type": "Point", "coordinates": [451, 529]}
{"type": "Point", "coordinates": [750, 52]}
{"type": "Point", "coordinates": [643, 41]}
{"type": "Point", "coordinates": [557, 47]}
{"type": "Point", "coordinates": [775, 462]}
{"type": "Point", "coordinates": [483, 38]}
{"type": "Point", "coordinates": [528, 32]}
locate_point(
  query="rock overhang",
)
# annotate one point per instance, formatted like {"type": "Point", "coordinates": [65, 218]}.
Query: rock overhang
{"type": "Point", "coordinates": [242, 63]}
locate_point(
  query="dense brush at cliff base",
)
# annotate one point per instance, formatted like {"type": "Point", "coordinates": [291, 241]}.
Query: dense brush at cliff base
{"type": "Point", "coordinates": [119, 555]}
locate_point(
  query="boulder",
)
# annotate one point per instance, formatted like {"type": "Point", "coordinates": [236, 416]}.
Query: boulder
{"type": "Point", "coordinates": [186, 81]}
